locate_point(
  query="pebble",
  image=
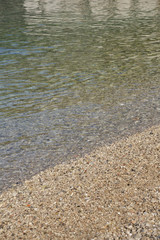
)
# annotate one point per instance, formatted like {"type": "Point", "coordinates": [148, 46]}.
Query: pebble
{"type": "Point", "coordinates": [102, 200]}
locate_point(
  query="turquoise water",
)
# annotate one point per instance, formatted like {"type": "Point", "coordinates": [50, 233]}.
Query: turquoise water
{"type": "Point", "coordinates": [73, 75]}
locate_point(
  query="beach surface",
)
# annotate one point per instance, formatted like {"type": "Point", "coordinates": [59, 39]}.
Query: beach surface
{"type": "Point", "coordinates": [111, 193]}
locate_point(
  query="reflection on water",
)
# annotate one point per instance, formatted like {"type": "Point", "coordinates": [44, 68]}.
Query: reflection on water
{"type": "Point", "coordinates": [98, 10]}
{"type": "Point", "coordinates": [74, 74]}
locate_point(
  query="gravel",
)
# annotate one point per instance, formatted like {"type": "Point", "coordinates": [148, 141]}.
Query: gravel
{"type": "Point", "coordinates": [111, 193]}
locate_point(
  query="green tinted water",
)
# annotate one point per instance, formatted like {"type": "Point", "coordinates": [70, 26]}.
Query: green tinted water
{"type": "Point", "coordinates": [74, 74]}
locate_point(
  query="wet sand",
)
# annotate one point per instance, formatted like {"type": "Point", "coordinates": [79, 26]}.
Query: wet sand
{"type": "Point", "coordinates": [111, 193]}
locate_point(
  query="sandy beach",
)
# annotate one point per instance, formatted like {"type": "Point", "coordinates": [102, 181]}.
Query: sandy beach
{"type": "Point", "coordinates": [111, 193]}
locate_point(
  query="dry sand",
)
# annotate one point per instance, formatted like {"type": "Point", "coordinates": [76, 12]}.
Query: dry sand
{"type": "Point", "coordinates": [112, 193]}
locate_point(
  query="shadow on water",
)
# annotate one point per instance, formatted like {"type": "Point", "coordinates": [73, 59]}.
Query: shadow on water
{"type": "Point", "coordinates": [74, 75]}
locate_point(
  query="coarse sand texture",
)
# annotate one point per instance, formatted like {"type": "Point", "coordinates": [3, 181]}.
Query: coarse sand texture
{"type": "Point", "coordinates": [111, 193]}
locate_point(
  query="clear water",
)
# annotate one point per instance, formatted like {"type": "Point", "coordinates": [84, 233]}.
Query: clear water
{"type": "Point", "coordinates": [74, 74]}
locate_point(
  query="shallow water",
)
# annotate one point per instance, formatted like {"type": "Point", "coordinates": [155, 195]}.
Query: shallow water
{"type": "Point", "coordinates": [74, 75]}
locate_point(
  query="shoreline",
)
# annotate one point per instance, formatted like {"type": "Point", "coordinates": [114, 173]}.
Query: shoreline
{"type": "Point", "coordinates": [111, 193]}
{"type": "Point", "coordinates": [105, 126]}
